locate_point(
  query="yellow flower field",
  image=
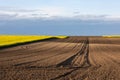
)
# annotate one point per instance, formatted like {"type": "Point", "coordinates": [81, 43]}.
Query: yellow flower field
{"type": "Point", "coordinates": [15, 39]}
{"type": "Point", "coordinates": [111, 36]}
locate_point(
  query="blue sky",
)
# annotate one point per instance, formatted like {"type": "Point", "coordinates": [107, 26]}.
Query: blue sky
{"type": "Point", "coordinates": [89, 17]}
{"type": "Point", "coordinates": [96, 7]}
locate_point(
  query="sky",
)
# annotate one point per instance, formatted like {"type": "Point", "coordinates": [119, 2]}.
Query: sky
{"type": "Point", "coordinates": [96, 7]}
{"type": "Point", "coordinates": [88, 11]}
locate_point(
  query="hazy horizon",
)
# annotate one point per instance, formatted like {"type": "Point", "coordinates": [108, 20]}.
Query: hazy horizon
{"type": "Point", "coordinates": [60, 27]}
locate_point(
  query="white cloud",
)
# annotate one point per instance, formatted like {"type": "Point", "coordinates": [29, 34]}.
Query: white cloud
{"type": "Point", "coordinates": [24, 13]}
{"type": "Point", "coordinates": [117, 17]}
{"type": "Point", "coordinates": [45, 12]}
{"type": "Point", "coordinates": [98, 17]}
{"type": "Point", "coordinates": [51, 13]}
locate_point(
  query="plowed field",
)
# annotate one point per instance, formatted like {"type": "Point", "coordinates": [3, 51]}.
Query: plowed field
{"type": "Point", "coordinates": [73, 58]}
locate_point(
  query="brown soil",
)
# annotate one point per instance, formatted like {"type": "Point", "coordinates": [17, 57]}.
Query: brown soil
{"type": "Point", "coordinates": [74, 58]}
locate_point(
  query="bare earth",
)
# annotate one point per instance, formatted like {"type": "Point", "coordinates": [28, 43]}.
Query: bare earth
{"type": "Point", "coordinates": [74, 58]}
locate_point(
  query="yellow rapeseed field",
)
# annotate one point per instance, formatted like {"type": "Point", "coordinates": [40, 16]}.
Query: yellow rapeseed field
{"type": "Point", "coordinates": [111, 36]}
{"type": "Point", "coordinates": [14, 39]}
